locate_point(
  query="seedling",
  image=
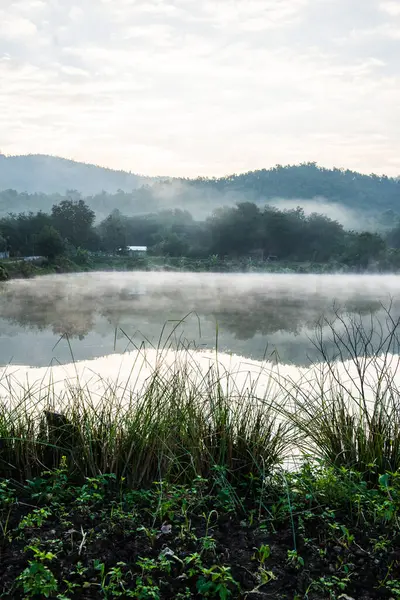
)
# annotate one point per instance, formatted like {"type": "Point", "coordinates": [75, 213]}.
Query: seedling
{"type": "Point", "coordinates": [262, 554]}
{"type": "Point", "coordinates": [295, 559]}
{"type": "Point", "coordinates": [216, 582]}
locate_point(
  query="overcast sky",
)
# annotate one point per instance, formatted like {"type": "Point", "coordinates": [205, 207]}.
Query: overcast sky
{"type": "Point", "coordinates": [210, 87]}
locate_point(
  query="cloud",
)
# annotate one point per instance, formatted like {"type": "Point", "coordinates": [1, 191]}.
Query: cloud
{"type": "Point", "coordinates": [184, 88]}
{"type": "Point", "coordinates": [252, 15]}
{"type": "Point", "coordinates": [14, 26]}
{"type": "Point", "coordinates": [392, 7]}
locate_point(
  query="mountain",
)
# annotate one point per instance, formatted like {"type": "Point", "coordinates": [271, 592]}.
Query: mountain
{"type": "Point", "coordinates": [308, 180]}
{"type": "Point", "coordinates": [40, 181]}
{"type": "Point", "coordinates": [50, 174]}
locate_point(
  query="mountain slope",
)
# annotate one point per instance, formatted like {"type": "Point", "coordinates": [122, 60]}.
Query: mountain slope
{"type": "Point", "coordinates": [49, 174]}
{"type": "Point", "coordinates": [328, 191]}
{"type": "Point", "coordinates": [306, 181]}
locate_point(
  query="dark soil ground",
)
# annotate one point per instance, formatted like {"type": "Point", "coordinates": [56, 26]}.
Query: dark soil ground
{"type": "Point", "coordinates": [99, 541]}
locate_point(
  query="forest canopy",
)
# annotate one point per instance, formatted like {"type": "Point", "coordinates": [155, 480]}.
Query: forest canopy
{"type": "Point", "coordinates": [104, 190]}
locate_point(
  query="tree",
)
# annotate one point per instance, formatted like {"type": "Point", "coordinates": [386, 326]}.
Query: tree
{"type": "Point", "coordinates": [21, 230]}
{"type": "Point", "coordinates": [173, 245]}
{"type": "Point", "coordinates": [112, 231]}
{"type": "Point", "coordinates": [3, 243]}
{"type": "Point", "coordinates": [74, 221]}
{"type": "Point", "coordinates": [363, 248]}
{"type": "Point", "coordinates": [49, 242]}
{"type": "Point", "coordinates": [283, 232]}
{"type": "Point", "coordinates": [393, 236]}
{"type": "Point", "coordinates": [235, 230]}
{"type": "Point", "coordinates": [324, 238]}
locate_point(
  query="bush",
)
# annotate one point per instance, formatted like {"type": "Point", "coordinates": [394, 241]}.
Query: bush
{"type": "Point", "coordinates": [82, 257]}
{"type": "Point", "coordinates": [3, 273]}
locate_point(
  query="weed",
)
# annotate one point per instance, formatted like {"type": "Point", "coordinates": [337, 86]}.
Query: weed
{"type": "Point", "coordinates": [145, 590]}
{"type": "Point", "coordinates": [262, 554]}
{"type": "Point", "coordinates": [334, 586]}
{"type": "Point", "coordinates": [293, 558]}
{"type": "Point", "coordinates": [35, 519]}
{"type": "Point", "coordinates": [37, 579]}
{"type": "Point", "coordinates": [207, 544]}
{"type": "Point", "coordinates": [216, 582]}
{"type": "Point", "coordinates": [393, 585]}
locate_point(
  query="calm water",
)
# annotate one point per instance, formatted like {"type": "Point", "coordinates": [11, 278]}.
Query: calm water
{"type": "Point", "coordinates": [51, 319]}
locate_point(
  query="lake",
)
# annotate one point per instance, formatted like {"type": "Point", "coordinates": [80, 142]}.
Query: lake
{"type": "Point", "coordinates": [65, 318]}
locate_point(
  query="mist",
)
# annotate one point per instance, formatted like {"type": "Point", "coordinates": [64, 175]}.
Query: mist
{"type": "Point", "coordinates": [350, 219]}
{"type": "Point", "coordinates": [199, 200]}
{"type": "Point", "coordinates": [202, 201]}
{"type": "Point", "coordinates": [106, 333]}
{"type": "Point", "coordinates": [252, 315]}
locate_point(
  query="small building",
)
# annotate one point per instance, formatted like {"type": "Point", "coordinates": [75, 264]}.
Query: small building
{"type": "Point", "coordinates": [5, 254]}
{"type": "Point", "coordinates": [33, 258]}
{"type": "Point", "coordinates": [137, 250]}
{"type": "Point", "coordinates": [134, 250]}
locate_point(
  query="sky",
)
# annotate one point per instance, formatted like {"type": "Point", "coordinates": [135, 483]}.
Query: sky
{"type": "Point", "coordinates": [202, 87]}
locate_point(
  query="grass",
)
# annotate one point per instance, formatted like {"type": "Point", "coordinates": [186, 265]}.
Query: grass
{"type": "Point", "coordinates": [178, 424]}
{"type": "Point", "coordinates": [176, 484]}
{"type": "Point", "coordinates": [348, 413]}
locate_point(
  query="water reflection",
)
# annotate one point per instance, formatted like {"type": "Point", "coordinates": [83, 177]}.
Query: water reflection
{"type": "Point", "coordinates": [102, 312]}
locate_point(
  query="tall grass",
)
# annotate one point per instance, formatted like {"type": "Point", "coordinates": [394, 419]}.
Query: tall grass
{"type": "Point", "coordinates": [180, 423]}
{"type": "Point", "coordinates": [347, 410]}
{"type": "Point", "coordinates": [183, 421]}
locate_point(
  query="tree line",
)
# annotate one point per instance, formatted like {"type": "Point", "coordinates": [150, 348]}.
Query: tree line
{"type": "Point", "coordinates": [370, 194]}
{"type": "Point", "coordinates": [244, 230]}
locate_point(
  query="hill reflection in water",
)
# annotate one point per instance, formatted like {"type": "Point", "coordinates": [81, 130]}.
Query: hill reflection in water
{"type": "Point", "coordinates": [251, 315]}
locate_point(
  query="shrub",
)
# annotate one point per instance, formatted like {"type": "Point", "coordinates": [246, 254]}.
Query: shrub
{"type": "Point", "coordinates": [3, 273]}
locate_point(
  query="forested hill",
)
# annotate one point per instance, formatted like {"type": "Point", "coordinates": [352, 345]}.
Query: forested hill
{"type": "Point", "coordinates": [308, 180]}
{"type": "Point", "coordinates": [41, 181]}
{"type": "Point", "coordinates": [50, 174]}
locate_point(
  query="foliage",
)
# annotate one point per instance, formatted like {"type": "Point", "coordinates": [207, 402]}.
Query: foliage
{"type": "Point", "coordinates": [246, 232]}
{"type": "Point", "coordinates": [148, 542]}
{"type": "Point", "coordinates": [74, 220]}
{"type": "Point", "coordinates": [21, 231]}
{"type": "Point", "coordinates": [181, 492]}
{"type": "Point", "coordinates": [49, 242]}
{"type": "Point", "coordinates": [3, 273]}
{"type": "Point", "coordinates": [46, 178]}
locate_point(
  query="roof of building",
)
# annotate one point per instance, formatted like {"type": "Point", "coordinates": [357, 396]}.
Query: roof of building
{"type": "Point", "coordinates": [137, 248]}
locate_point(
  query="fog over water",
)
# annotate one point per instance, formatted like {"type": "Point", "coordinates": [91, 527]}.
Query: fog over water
{"type": "Point", "coordinates": [102, 329]}
{"type": "Point", "coordinates": [84, 316]}
{"type": "Point", "coordinates": [251, 315]}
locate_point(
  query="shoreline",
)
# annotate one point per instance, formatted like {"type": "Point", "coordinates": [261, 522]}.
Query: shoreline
{"type": "Point", "coordinates": [19, 268]}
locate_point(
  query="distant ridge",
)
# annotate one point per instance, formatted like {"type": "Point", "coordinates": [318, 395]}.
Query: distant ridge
{"type": "Point", "coordinates": [39, 181]}
{"type": "Point", "coordinates": [50, 174]}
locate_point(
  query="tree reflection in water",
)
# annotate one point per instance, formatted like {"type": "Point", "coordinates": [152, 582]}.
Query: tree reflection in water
{"type": "Point", "coordinates": [245, 309]}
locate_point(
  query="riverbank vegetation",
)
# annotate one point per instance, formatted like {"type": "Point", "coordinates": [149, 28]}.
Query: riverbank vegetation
{"type": "Point", "coordinates": [195, 484]}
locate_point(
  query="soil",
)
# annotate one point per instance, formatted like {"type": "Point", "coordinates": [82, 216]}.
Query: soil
{"type": "Point", "coordinates": [325, 567]}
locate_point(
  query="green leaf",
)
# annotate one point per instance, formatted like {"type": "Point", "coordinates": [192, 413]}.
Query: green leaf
{"type": "Point", "coordinates": [384, 480]}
